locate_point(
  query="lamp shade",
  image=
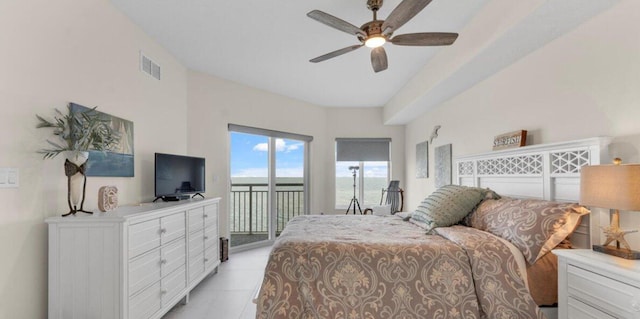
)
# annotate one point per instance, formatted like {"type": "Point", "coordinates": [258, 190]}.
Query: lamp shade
{"type": "Point", "coordinates": [611, 186]}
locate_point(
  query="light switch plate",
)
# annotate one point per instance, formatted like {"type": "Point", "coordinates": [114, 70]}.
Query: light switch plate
{"type": "Point", "coordinates": [9, 177]}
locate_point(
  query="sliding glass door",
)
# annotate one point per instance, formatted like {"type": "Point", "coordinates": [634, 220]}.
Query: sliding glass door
{"type": "Point", "coordinates": [269, 182]}
{"type": "Point", "coordinates": [249, 188]}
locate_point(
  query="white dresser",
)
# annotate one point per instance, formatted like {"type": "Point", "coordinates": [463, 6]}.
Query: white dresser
{"type": "Point", "coordinates": [136, 262]}
{"type": "Point", "coordinates": [596, 285]}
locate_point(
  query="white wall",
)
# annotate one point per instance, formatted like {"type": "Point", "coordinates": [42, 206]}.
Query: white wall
{"type": "Point", "coordinates": [215, 102]}
{"type": "Point", "coordinates": [584, 84]}
{"type": "Point", "coordinates": [84, 51]}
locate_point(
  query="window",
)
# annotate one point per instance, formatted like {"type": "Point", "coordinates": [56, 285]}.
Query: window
{"type": "Point", "coordinates": [371, 157]}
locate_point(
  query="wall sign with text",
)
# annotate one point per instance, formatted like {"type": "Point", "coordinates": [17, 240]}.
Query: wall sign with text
{"type": "Point", "coordinates": [510, 140]}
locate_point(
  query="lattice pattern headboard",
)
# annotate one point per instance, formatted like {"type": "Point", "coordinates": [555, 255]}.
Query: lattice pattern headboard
{"type": "Point", "coordinates": [548, 171]}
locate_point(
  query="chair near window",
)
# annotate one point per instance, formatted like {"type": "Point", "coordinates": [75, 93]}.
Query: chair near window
{"type": "Point", "coordinates": [393, 198]}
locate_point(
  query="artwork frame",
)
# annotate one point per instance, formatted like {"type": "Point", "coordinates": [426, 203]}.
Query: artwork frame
{"type": "Point", "coordinates": [120, 161]}
{"type": "Point", "coordinates": [442, 156]}
{"type": "Point", "coordinates": [422, 160]}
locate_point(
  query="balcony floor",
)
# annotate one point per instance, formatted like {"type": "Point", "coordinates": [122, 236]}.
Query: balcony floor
{"type": "Point", "coordinates": [238, 239]}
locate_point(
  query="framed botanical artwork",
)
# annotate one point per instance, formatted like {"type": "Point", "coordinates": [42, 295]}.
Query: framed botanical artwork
{"type": "Point", "coordinates": [443, 165]}
{"type": "Point", "coordinates": [116, 163]}
{"type": "Point", "coordinates": [422, 160]}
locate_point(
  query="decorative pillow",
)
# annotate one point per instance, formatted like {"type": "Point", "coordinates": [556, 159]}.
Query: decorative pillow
{"type": "Point", "coordinates": [534, 226]}
{"type": "Point", "coordinates": [448, 205]}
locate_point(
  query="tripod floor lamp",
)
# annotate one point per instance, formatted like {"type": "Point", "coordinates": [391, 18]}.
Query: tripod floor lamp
{"type": "Point", "coordinates": [354, 201]}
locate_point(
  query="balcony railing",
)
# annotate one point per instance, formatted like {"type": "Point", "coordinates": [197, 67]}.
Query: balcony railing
{"type": "Point", "coordinates": [249, 206]}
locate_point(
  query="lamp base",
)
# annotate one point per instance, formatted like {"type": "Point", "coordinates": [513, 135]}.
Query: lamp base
{"type": "Point", "coordinates": [618, 252]}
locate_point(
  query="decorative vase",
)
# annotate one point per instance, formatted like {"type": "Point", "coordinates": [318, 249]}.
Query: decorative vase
{"type": "Point", "coordinates": [74, 168]}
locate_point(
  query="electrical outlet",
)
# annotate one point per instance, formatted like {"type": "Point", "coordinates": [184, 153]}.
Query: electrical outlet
{"type": "Point", "coordinates": [9, 177]}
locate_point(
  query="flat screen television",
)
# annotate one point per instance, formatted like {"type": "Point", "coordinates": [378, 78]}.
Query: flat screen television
{"type": "Point", "coordinates": [178, 177]}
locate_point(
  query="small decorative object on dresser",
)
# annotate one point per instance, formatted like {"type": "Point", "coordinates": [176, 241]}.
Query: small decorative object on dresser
{"type": "Point", "coordinates": [597, 286]}
{"type": "Point", "coordinates": [76, 133]}
{"type": "Point", "coordinates": [510, 140]}
{"type": "Point", "coordinates": [107, 198]}
{"type": "Point", "coordinates": [614, 187]}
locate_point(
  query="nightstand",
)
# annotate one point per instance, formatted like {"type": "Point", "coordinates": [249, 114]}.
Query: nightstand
{"type": "Point", "coordinates": [595, 285]}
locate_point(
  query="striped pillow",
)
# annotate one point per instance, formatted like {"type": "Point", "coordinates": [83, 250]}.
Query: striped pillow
{"type": "Point", "coordinates": [447, 206]}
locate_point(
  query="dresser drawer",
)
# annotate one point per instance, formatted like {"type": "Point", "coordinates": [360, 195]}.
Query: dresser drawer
{"type": "Point", "coordinates": [196, 219]}
{"type": "Point", "coordinates": [211, 245]}
{"type": "Point", "coordinates": [146, 303]}
{"type": "Point", "coordinates": [211, 215]}
{"type": "Point", "coordinates": [611, 296]}
{"type": "Point", "coordinates": [210, 258]}
{"type": "Point", "coordinates": [144, 270]}
{"type": "Point", "coordinates": [196, 243]}
{"type": "Point", "coordinates": [196, 266]}
{"type": "Point", "coordinates": [173, 256]}
{"type": "Point", "coordinates": [210, 237]}
{"type": "Point", "coordinates": [143, 237]}
{"type": "Point", "coordinates": [173, 284]}
{"type": "Point", "coordinates": [172, 227]}
{"type": "Point", "coordinates": [579, 310]}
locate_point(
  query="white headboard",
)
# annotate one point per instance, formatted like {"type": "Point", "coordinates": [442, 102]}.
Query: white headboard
{"type": "Point", "coordinates": [546, 171]}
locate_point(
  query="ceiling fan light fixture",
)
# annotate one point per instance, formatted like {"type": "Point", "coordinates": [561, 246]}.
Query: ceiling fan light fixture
{"type": "Point", "coordinates": [375, 41]}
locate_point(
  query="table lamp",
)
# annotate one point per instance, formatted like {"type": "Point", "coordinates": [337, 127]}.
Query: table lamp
{"type": "Point", "coordinates": [615, 187]}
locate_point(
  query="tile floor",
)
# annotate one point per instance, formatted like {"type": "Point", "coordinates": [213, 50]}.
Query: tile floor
{"type": "Point", "coordinates": [229, 293]}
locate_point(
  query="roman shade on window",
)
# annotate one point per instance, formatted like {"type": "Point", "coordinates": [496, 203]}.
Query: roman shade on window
{"type": "Point", "coordinates": [270, 133]}
{"type": "Point", "coordinates": [362, 149]}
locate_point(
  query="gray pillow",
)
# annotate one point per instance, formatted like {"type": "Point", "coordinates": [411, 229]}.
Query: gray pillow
{"type": "Point", "coordinates": [535, 226]}
{"type": "Point", "coordinates": [448, 205]}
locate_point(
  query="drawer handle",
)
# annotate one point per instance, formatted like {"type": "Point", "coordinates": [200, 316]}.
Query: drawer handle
{"type": "Point", "coordinates": [206, 259]}
{"type": "Point", "coordinates": [163, 291]}
{"type": "Point", "coordinates": [163, 261]}
{"type": "Point", "coordinates": [163, 230]}
{"type": "Point", "coordinates": [205, 215]}
{"type": "Point", "coordinates": [206, 237]}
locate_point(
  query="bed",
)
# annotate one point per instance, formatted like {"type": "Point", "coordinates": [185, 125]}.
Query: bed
{"type": "Point", "coordinates": [478, 267]}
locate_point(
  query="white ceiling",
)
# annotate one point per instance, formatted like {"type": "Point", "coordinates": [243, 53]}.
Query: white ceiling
{"type": "Point", "coordinates": [267, 45]}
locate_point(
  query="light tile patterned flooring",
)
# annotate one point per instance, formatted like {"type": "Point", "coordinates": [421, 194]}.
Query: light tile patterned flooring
{"type": "Point", "coordinates": [229, 293]}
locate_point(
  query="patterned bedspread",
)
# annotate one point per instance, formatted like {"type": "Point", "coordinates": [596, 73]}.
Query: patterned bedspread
{"type": "Point", "coordinates": [366, 267]}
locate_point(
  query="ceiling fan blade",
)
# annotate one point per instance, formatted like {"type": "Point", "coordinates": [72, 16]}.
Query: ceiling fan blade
{"type": "Point", "coordinates": [425, 39]}
{"type": "Point", "coordinates": [335, 53]}
{"type": "Point", "coordinates": [406, 10]}
{"type": "Point", "coordinates": [379, 59]}
{"type": "Point", "coordinates": [334, 22]}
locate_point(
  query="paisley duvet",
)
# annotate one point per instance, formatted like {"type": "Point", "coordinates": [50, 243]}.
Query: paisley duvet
{"type": "Point", "coordinates": [366, 267]}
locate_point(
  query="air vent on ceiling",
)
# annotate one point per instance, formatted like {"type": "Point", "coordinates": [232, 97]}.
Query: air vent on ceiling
{"type": "Point", "coordinates": [149, 67]}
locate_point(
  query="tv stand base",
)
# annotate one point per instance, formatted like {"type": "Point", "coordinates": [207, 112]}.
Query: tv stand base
{"type": "Point", "coordinates": [171, 198]}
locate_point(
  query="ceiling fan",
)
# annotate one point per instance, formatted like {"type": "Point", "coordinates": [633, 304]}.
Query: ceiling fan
{"type": "Point", "coordinates": [376, 33]}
